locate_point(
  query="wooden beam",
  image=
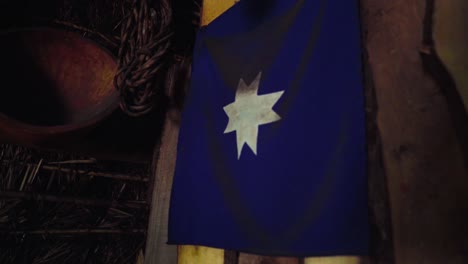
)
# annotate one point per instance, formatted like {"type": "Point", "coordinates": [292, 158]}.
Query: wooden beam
{"type": "Point", "coordinates": [423, 158]}
{"type": "Point", "coordinates": [157, 251]}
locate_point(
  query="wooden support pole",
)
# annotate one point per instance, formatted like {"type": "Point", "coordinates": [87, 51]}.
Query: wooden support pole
{"type": "Point", "coordinates": [423, 157]}
{"type": "Point", "coordinates": [157, 251]}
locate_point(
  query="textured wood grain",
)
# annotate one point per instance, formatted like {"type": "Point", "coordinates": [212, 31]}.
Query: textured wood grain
{"type": "Point", "coordinates": [379, 209]}
{"type": "Point", "coordinates": [426, 174]}
{"type": "Point", "coordinates": [157, 251]}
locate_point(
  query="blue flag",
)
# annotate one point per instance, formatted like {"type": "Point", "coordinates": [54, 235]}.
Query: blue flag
{"type": "Point", "coordinates": [271, 155]}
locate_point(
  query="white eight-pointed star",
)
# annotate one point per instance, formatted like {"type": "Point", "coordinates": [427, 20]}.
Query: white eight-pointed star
{"type": "Point", "coordinates": [248, 111]}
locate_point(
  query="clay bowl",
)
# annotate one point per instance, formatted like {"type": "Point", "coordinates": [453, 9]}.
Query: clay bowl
{"type": "Point", "coordinates": [54, 85]}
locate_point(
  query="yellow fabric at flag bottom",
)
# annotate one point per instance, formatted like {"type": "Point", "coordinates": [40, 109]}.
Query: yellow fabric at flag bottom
{"type": "Point", "coordinates": [200, 255]}
{"type": "Point", "coordinates": [205, 255]}
{"type": "Point", "coordinates": [334, 260]}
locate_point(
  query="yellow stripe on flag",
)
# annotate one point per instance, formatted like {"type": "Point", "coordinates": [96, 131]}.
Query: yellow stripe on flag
{"type": "Point", "coordinates": [214, 8]}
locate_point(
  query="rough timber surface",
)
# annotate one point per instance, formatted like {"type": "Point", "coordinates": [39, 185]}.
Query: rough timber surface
{"type": "Point", "coordinates": [423, 157]}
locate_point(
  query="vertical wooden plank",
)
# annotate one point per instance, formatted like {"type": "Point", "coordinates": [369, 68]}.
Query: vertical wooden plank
{"type": "Point", "coordinates": [157, 251]}
{"type": "Point", "coordinates": [164, 160]}
{"type": "Point", "coordinates": [382, 251]}
{"type": "Point", "coordinates": [426, 174]}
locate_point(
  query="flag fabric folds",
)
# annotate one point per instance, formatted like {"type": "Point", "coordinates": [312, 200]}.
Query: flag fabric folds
{"type": "Point", "coordinates": [271, 154]}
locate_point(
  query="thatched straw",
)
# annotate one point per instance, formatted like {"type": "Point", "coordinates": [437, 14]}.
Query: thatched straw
{"type": "Point", "coordinates": [50, 203]}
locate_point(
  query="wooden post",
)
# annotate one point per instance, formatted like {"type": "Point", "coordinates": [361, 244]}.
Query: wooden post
{"type": "Point", "coordinates": [423, 157]}
{"type": "Point", "coordinates": [157, 251]}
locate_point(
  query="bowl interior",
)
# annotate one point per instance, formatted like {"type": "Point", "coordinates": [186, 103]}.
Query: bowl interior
{"type": "Point", "coordinates": [53, 77]}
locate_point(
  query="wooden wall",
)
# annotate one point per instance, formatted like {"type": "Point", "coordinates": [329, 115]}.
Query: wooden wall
{"type": "Point", "coordinates": [423, 155]}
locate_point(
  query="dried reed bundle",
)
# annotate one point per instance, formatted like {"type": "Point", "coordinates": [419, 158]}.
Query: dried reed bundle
{"type": "Point", "coordinates": [62, 208]}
